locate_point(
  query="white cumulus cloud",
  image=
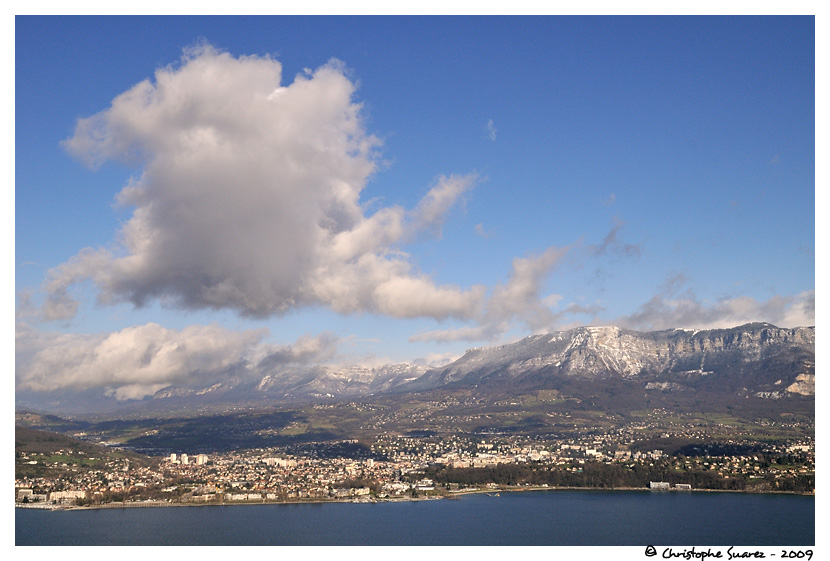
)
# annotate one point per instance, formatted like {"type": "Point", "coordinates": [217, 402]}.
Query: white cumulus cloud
{"type": "Point", "coordinates": [249, 199]}
{"type": "Point", "coordinates": [140, 360]}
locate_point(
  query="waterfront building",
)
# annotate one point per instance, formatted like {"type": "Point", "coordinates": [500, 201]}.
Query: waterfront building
{"type": "Point", "coordinates": [66, 495]}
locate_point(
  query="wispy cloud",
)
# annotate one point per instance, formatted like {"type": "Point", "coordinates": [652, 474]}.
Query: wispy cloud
{"type": "Point", "coordinates": [482, 232]}
{"type": "Point", "coordinates": [667, 311]}
{"type": "Point", "coordinates": [611, 243]}
{"type": "Point", "coordinates": [519, 300]}
{"type": "Point", "coordinates": [491, 130]}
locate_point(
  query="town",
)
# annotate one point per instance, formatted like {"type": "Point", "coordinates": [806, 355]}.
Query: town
{"type": "Point", "coordinates": [397, 467]}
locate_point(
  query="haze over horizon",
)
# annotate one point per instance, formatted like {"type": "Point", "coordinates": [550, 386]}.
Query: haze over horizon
{"type": "Point", "coordinates": [196, 193]}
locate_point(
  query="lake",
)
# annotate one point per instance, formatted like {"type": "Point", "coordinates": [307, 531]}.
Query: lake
{"type": "Point", "coordinates": [557, 518]}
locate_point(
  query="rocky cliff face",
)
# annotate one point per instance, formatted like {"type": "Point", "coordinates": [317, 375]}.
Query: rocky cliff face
{"type": "Point", "coordinates": [754, 358]}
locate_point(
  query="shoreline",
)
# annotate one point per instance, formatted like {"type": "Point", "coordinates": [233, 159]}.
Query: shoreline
{"type": "Point", "coordinates": [374, 500]}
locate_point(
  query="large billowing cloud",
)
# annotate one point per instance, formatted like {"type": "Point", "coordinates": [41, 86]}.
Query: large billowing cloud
{"type": "Point", "coordinates": [138, 361]}
{"type": "Point", "coordinates": [249, 199]}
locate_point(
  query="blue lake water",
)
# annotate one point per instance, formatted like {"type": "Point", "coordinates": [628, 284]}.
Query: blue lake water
{"type": "Point", "coordinates": [558, 518]}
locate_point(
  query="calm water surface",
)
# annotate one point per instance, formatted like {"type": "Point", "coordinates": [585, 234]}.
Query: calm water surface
{"type": "Point", "coordinates": [563, 518]}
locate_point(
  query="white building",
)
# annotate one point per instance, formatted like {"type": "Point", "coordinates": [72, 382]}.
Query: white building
{"type": "Point", "coordinates": [425, 485]}
{"type": "Point", "coordinates": [66, 495]}
{"type": "Point", "coordinates": [280, 462]}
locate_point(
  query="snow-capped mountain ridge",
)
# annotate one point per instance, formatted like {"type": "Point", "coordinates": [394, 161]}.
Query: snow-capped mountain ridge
{"type": "Point", "coordinates": [759, 361]}
{"type": "Point", "coordinates": [601, 352]}
{"type": "Point", "coordinates": [754, 359]}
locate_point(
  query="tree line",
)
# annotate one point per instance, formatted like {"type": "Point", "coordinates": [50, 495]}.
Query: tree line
{"type": "Point", "coordinates": [607, 476]}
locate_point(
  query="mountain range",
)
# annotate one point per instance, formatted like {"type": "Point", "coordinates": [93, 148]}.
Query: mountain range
{"type": "Point", "coordinates": [758, 361]}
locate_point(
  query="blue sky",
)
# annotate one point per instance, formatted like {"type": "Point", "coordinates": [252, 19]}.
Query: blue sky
{"type": "Point", "coordinates": [450, 182]}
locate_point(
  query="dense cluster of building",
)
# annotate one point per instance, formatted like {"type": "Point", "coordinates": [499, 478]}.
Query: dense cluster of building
{"type": "Point", "coordinates": [394, 470]}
